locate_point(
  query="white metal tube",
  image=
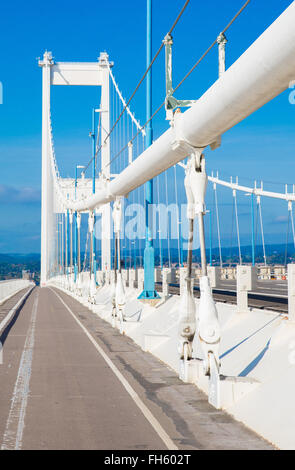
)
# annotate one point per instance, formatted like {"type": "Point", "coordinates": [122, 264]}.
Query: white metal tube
{"type": "Point", "coordinates": [260, 74]}
{"type": "Point", "coordinates": [256, 191]}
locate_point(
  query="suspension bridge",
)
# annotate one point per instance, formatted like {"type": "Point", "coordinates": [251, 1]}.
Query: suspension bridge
{"type": "Point", "coordinates": [128, 250]}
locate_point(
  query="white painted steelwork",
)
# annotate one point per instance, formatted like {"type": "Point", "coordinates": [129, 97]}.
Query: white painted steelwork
{"type": "Point", "coordinates": [53, 193]}
{"type": "Point", "coordinates": [260, 74]}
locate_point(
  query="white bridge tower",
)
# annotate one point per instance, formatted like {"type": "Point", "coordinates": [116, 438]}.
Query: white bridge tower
{"type": "Point", "coordinates": [71, 73]}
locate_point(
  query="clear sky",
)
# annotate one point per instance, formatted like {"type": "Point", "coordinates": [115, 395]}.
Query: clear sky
{"type": "Point", "coordinates": [77, 31]}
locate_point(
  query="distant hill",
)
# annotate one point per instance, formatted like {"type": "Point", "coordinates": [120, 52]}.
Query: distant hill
{"type": "Point", "coordinates": [12, 264]}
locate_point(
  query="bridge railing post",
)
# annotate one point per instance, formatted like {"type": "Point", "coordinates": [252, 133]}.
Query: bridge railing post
{"type": "Point", "coordinates": [125, 277]}
{"type": "Point", "coordinates": [100, 277]}
{"type": "Point", "coordinates": [246, 281]}
{"type": "Point", "coordinates": [132, 278]}
{"type": "Point", "coordinates": [166, 279]}
{"type": "Point", "coordinates": [291, 291]}
{"type": "Point", "coordinates": [214, 274]}
{"type": "Point", "coordinates": [140, 279]}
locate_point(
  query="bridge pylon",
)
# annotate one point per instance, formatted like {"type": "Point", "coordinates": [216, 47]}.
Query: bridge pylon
{"type": "Point", "coordinates": [71, 73]}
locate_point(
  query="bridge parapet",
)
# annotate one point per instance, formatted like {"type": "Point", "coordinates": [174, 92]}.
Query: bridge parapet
{"type": "Point", "coordinates": [10, 287]}
{"type": "Point", "coordinates": [246, 281]}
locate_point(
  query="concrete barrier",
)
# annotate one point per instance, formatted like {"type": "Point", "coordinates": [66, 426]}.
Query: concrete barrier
{"type": "Point", "coordinates": [214, 274]}
{"type": "Point", "coordinates": [166, 280]}
{"type": "Point", "coordinates": [10, 287]}
{"type": "Point", "coordinates": [140, 279]}
{"type": "Point", "coordinates": [246, 281]}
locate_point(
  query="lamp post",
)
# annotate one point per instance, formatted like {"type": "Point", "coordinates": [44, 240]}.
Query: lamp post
{"type": "Point", "coordinates": [149, 292]}
{"type": "Point", "coordinates": [252, 226]}
{"type": "Point", "coordinates": [210, 234]}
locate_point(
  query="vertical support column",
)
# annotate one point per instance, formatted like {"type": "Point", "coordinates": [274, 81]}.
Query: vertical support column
{"type": "Point", "coordinates": [221, 41]}
{"type": "Point", "coordinates": [105, 160]}
{"type": "Point", "coordinates": [214, 274]}
{"type": "Point", "coordinates": [166, 279]}
{"type": "Point", "coordinates": [46, 81]}
{"type": "Point", "coordinates": [210, 236]}
{"type": "Point", "coordinates": [291, 291]}
{"type": "Point", "coordinates": [246, 281]}
{"type": "Point", "coordinates": [149, 292]}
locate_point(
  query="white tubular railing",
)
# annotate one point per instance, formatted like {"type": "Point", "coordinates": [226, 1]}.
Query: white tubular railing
{"type": "Point", "coordinates": [256, 191]}
{"type": "Point", "coordinates": [10, 287]}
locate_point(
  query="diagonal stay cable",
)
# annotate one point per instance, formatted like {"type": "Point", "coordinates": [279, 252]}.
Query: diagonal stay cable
{"type": "Point", "coordinates": [147, 70]}
{"type": "Point", "coordinates": [142, 79]}
{"type": "Point", "coordinates": [212, 45]}
{"type": "Point", "coordinates": [182, 81]}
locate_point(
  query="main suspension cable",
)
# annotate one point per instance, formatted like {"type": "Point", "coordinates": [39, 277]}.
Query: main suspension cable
{"type": "Point", "coordinates": [140, 82]}
{"type": "Point", "coordinates": [182, 81]}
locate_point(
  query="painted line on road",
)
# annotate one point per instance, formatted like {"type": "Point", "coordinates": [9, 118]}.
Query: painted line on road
{"type": "Point", "coordinates": [143, 408]}
{"type": "Point", "coordinates": [12, 439]}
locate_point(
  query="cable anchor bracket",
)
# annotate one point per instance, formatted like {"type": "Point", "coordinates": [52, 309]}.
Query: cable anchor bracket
{"type": "Point", "coordinates": [171, 103]}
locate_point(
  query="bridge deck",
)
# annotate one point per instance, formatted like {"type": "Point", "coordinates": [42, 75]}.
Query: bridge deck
{"type": "Point", "coordinates": [63, 386]}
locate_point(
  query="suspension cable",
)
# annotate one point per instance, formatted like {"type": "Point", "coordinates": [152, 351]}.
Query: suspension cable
{"type": "Point", "coordinates": [183, 80]}
{"type": "Point", "coordinates": [148, 69]}
{"type": "Point", "coordinates": [160, 227]}
{"type": "Point", "coordinates": [238, 228]}
{"type": "Point", "coordinates": [232, 229]}
{"type": "Point", "coordinates": [218, 226]}
{"type": "Point", "coordinates": [287, 238]}
{"type": "Point", "coordinates": [126, 105]}
{"type": "Point", "coordinates": [178, 219]}
{"type": "Point", "coordinates": [85, 253]}
{"type": "Point", "coordinates": [212, 45]}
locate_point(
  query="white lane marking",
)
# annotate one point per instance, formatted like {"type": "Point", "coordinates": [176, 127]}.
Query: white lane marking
{"type": "Point", "coordinates": [12, 311]}
{"type": "Point", "coordinates": [12, 439]}
{"type": "Point", "coordinates": [143, 408]}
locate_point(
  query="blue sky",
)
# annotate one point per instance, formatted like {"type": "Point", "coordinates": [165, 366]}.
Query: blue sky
{"type": "Point", "coordinates": [77, 31]}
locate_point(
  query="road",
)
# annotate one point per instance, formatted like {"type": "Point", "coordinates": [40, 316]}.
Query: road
{"type": "Point", "coordinates": [271, 295]}
{"type": "Point", "coordinates": [70, 381]}
{"type": "Point", "coordinates": [268, 288]}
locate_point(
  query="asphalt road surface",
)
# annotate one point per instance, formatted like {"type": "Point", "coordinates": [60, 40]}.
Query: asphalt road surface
{"type": "Point", "coordinates": [70, 381]}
